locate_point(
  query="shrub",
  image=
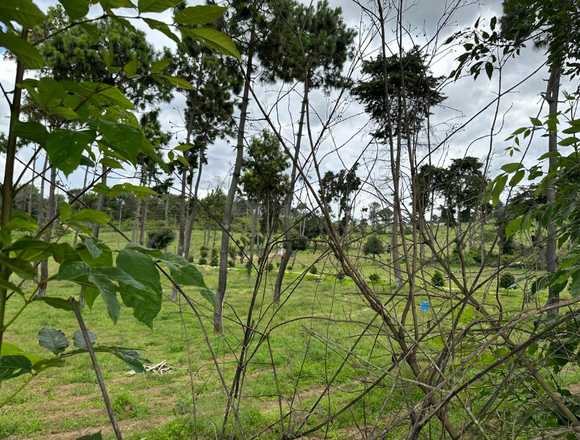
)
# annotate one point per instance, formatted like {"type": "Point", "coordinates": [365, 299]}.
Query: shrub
{"type": "Point", "coordinates": [313, 270]}
{"type": "Point", "coordinates": [340, 276]}
{"type": "Point", "coordinates": [270, 267]}
{"type": "Point", "coordinates": [374, 278]}
{"type": "Point", "coordinates": [203, 252]}
{"type": "Point", "coordinates": [160, 239]}
{"type": "Point", "coordinates": [373, 246]}
{"type": "Point", "coordinates": [437, 279]}
{"type": "Point", "coordinates": [202, 260]}
{"type": "Point", "coordinates": [507, 280]}
{"type": "Point", "coordinates": [231, 263]}
{"type": "Point", "coordinates": [214, 258]}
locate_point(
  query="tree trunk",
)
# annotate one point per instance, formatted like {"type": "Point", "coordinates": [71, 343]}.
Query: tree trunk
{"type": "Point", "coordinates": [182, 214]}
{"type": "Point", "coordinates": [100, 204]}
{"type": "Point", "coordinates": [50, 213]}
{"type": "Point", "coordinates": [191, 215]}
{"type": "Point", "coordinates": [288, 203]}
{"type": "Point", "coordinates": [8, 184]}
{"type": "Point", "coordinates": [228, 208]}
{"type": "Point", "coordinates": [553, 91]}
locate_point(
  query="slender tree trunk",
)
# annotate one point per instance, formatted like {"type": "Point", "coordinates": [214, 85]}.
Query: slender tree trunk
{"type": "Point", "coordinates": [288, 203]}
{"type": "Point", "coordinates": [143, 213]}
{"type": "Point", "coordinates": [228, 208]}
{"type": "Point", "coordinates": [100, 204]}
{"type": "Point", "coordinates": [8, 185]}
{"type": "Point", "coordinates": [31, 189]}
{"type": "Point", "coordinates": [182, 214]}
{"type": "Point", "coordinates": [552, 94]}
{"type": "Point", "coordinates": [50, 213]}
{"type": "Point", "coordinates": [166, 210]}
{"type": "Point", "coordinates": [191, 216]}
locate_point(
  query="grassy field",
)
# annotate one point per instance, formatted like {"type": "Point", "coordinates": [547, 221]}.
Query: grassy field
{"type": "Point", "coordinates": [291, 370]}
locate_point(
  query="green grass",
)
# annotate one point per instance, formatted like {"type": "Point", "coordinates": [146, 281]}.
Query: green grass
{"type": "Point", "coordinates": [306, 353]}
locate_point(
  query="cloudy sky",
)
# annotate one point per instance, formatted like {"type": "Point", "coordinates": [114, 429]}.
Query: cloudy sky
{"type": "Point", "coordinates": [349, 135]}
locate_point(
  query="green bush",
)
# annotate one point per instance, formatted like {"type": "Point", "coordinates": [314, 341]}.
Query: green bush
{"type": "Point", "coordinates": [374, 278]}
{"type": "Point", "coordinates": [340, 276]}
{"type": "Point", "coordinates": [507, 280]}
{"type": "Point", "coordinates": [202, 260]}
{"type": "Point", "coordinates": [160, 239]}
{"type": "Point", "coordinates": [437, 279]}
{"type": "Point", "coordinates": [214, 258]}
{"type": "Point", "coordinates": [203, 252]}
{"type": "Point", "coordinates": [374, 246]}
{"type": "Point", "coordinates": [313, 270]}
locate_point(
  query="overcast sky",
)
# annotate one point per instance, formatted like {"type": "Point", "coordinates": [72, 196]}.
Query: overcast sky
{"type": "Point", "coordinates": [350, 133]}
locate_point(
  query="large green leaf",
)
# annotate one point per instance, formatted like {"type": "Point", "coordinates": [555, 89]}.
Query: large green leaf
{"type": "Point", "coordinates": [203, 14]}
{"type": "Point", "coordinates": [72, 271]}
{"type": "Point", "coordinates": [108, 292]}
{"type": "Point", "coordinates": [124, 188]}
{"type": "Point", "coordinates": [65, 148]}
{"type": "Point", "coordinates": [129, 142]}
{"type": "Point", "coordinates": [24, 12]}
{"type": "Point", "coordinates": [53, 340]}
{"type": "Point", "coordinates": [131, 357]}
{"type": "Point", "coordinates": [182, 271]}
{"type": "Point", "coordinates": [161, 27]}
{"type": "Point", "coordinates": [14, 366]}
{"type": "Point", "coordinates": [214, 39]}
{"type": "Point", "coordinates": [146, 303]}
{"type": "Point", "coordinates": [79, 339]}
{"type": "Point", "coordinates": [31, 131]}
{"type": "Point", "coordinates": [26, 53]}
{"type": "Point", "coordinates": [157, 5]}
{"type": "Point", "coordinates": [90, 216]}
{"type": "Point", "coordinates": [75, 8]}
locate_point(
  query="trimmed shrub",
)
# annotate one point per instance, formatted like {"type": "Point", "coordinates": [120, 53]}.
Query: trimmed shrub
{"type": "Point", "coordinates": [437, 279]}
{"type": "Point", "coordinates": [313, 270]}
{"type": "Point", "coordinates": [507, 280]}
{"type": "Point", "coordinates": [374, 278]}
{"type": "Point", "coordinates": [160, 239]}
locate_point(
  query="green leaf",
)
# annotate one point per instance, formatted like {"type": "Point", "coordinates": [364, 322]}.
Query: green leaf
{"type": "Point", "coordinates": [72, 271]}
{"type": "Point", "coordinates": [214, 39]}
{"type": "Point", "coordinates": [21, 267]}
{"type": "Point", "coordinates": [514, 225]}
{"type": "Point", "coordinates": [11, 287]}
{"type": "Point", "coordinates": [489, 70]}
{"type": "Point", "coordinates": [536, 122]}
{"type": "Point", "coordinates": [574, 286]}
{"type": "Point", "coordinates": [129, 142]}
{"type": "Point", "coordinates": [124, 188]}
{"type": "Point", "coordinates": [161, 27]}
{"type": "Point", "coordinates": [131, 357]}
{"type": "Point", "coordinates": [182, 271]}
{"type": "Point", "coordinates": [157, 5]}
{"type": "Point", "coordinates": [517, 178]}
{"type": "Point", "coordinates": [79, 339]}
{"type": "Point", "coordinates": [511, 167]}
{"type": "Point", "coordinates": [75, 8]}
{"type": "Point", "coordinates": [146, 303]}
{"type": "Point", "coordinates": [205, 14]}
{"type": "Point", "coordinates": [108, 292]}
{"type": "Point", "coordinates": [53, 340]}
{"type": "Point", "coordinates": [113, 4]}
{"type": "Point", "coordinates": [24, 12]}
{"type": "Point", "coordinates": [31, 131]}
{"type": "Point", "coordinates": [65, 148]}
{"type": "Point", "coordinates": [178, 82]}
{"type": "Point", "coordinates": [57, 303]}
{"type": "Point", "coordinates": [569, 141]}
{"type": "Point", "coordinates": [131, 68]}
{"type": "Point", "coordinates": [498, 187]}
{"type": "Point", "coordinates": [26, 53]}
{"type": "Point", "coordinates": [9, 349]}
{"type": "Point", "coordinates": [90, 216]}
{"type": "Point", "coordinates": [14, 366]}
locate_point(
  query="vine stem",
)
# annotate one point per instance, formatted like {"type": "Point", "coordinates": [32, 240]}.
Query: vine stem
{"type": "Point", "coordinates": [89, 346]}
